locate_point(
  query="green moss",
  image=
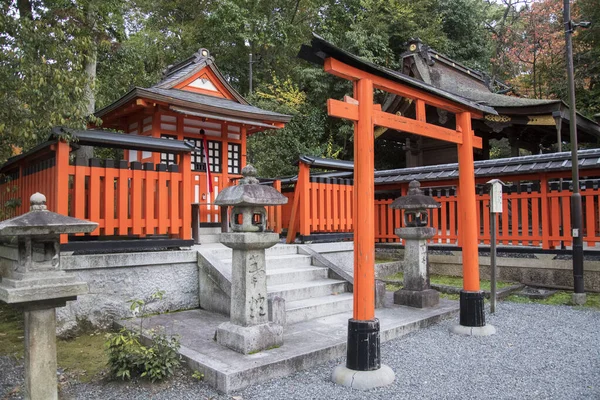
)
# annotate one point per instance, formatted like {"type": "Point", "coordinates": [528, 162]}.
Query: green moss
{"type": "Point", "coordinates": [450, 296]}
{"type": "Point", "coordinates": [11, 331]}
{"type": "Point", "coordinates": [455, 281]}
{"type": "Point", "coordinates": [559, 298]}
{"type": "Point", "coordinates": [382, 260]}
{"type": "Point", "coordinates": [82, 357]}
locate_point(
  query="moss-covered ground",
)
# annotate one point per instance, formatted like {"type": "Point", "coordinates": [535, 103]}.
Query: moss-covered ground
{"type": "Point", "coordinates": [559, 298]}
{"type": "Point", "coordinates": [455, 281]}
{"type": "Point", "coordinates": [82, 357]}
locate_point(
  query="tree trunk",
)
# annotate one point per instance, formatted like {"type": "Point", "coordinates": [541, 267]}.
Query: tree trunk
{"type": "Point", "coordinates": [84, 153]}
{"type": "Point", "coordinates": [24, 7]}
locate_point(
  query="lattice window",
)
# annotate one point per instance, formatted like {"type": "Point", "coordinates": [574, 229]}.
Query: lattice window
{"type": "Point", "coordinates": [168, 158]}
{"type": "Point", "coordinates": [198, 155]}
{"type": "Point", "coordinates": [234, 159]}
{"type": "Point", "coordinates": [214, 155]}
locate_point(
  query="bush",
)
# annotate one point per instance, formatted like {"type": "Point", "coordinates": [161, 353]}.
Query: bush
{"type": "Point", "coordinates": [128, 357]}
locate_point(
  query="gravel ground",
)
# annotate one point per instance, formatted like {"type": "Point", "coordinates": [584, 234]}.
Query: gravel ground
{"type": "Point", "coordinates": [540, 352]}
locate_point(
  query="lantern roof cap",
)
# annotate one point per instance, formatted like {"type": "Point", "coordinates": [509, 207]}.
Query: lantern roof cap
{"type": "Point", "coordinates": [414, 199]}
{"type": "Point", "coordinates": [249, 192]}
{"type": "Point", "coordinates": [40, 221]}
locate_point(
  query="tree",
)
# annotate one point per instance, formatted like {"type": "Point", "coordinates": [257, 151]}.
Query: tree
{"type": "Point", "coordinates": [45, 66]}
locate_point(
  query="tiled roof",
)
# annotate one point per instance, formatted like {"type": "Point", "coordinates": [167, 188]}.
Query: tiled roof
{"type": "Point", "coordinates": [492, 168]}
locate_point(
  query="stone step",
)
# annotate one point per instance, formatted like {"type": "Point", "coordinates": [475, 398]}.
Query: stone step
{"type": "Point", "coordinates": [280, 276]}
{"type": "Point", "coordinates": [316, 307]}
{"type": "Point", "coordinates": [208, 238]}
{"type": "Point", "coordinates": [209, 230]}
{"type": "Point", "coordinates": [304, 290]}
{"type": "Point", "coordinates": [225, 252]}
{"type": "Point", "coordinates": [282, 261]}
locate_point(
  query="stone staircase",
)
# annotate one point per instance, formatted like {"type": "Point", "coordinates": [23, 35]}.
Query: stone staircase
{"type": "Point", "coordinates": [309, 291]}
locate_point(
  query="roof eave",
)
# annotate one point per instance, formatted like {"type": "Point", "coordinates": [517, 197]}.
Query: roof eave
{"type": "Point", "coordinates": [142, 93]}
{"type": "Point", "coordinates": [320, 49]}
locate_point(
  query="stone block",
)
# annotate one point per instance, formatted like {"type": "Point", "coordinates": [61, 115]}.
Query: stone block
{"type": "Point", "coordinates": [379, 294]}
{"type": "Point", "coordinates": [418, 299]}
{"type": "Point", "coordinates": [250, 339]}
{"type": "Point", "coordinates": [277, 313]}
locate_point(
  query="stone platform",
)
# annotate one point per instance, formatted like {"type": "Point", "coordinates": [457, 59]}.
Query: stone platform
{"type": "Point", "coordinates": [306, 344]}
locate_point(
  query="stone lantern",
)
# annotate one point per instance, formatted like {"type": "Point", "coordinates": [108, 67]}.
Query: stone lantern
{"type": "Point", "coordinates": [417, 291]}
{"type": "Point", "coordinates": [31, 279]}
{"type": "Point", "coordinates": [249, 329]}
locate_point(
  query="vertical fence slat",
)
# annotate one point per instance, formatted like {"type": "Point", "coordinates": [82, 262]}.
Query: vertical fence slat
{"type": "Point", "coordinates": [94, 196]}
{"type": "Point", "coordinates": [149, 198]}
{"type": "Point", "coordinates": [109, 200]}
{"type": "Point", "coordinates": [123, 205]}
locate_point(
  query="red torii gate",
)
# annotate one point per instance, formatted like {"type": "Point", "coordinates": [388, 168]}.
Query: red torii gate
{"type": "Point", "coordinates": [363, 330]}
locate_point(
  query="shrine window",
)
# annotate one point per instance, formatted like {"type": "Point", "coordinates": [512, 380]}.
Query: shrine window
{"type": "Point", "coordinates": [168, 158]}
{"type": "Point", "coordinates": [214, 155]}
{"type": "Point", "coordinates": [233, 159]}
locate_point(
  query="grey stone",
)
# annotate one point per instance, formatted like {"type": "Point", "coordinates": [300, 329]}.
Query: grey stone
{"type": "Point", "coordinates": [417, 298]}
{"type": "Point", "coordinates": [579, 298]}
{"type": "Point", "coordinates": [277, 313]}
{"type": "Point", "coordinates": [250, 339]}
{"type": "Point", "coordinates": [363, 380]}
{"type": "Point", "coordinates": [486, 330]}
{"type": "Point", "coordinates": [307, 344]}
{"type": "Point", "coordinates": [111, 286]}
{"type": "Point", "coordinates": [40, 354]}
{"type": "Point", "coordinates": [416, 291]}
{"type": "Point", "coordinates": [31, 277]}
{"type": "Point", "coordinates": [248, 199]}
{"type": "Point", "coordinates": [249, 329]}
{"type": "Point", "coordinates": [379, 294]}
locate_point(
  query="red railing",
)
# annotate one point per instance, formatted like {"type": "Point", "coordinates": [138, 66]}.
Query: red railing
{"type": "Point", "coordinates": [536, 212]}
{"type": "Point", "coordinates": [123, 198]}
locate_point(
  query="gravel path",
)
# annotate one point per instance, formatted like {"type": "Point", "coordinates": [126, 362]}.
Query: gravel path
{"type": "Point", "coordinates": [540, 352]}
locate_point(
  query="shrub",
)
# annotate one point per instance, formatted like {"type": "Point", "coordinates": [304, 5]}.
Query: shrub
{"type": "Point", "coordinates": [128, 357]}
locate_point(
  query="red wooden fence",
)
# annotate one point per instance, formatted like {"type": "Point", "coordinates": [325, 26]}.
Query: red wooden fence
{"type": "Point", "coordinates": [536, 210]}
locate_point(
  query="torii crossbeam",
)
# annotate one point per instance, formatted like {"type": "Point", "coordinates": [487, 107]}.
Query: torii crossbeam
{"type": "Point", "coordinates": [363, 329]}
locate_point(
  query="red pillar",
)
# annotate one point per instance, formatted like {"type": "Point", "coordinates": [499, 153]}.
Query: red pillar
{"type": "Point", "coordinates": [472, 315]}
{"type": "Point", "coordinates": [468, 205]}
{"type": "Point", "coordinates": [364, 201]}
{"type": "Point", "coordinates": [62, 181]}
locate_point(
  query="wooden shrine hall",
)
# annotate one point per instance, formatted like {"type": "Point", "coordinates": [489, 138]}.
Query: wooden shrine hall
{"type": "Point", "coordinates": [184, 141]}
{"type": "Point", "coordinates": [535, 125]}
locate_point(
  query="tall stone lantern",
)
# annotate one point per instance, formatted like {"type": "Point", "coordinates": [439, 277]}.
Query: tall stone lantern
{"type": "Point", "coordinates": [417, 291]}
{"type": "Point", "coordinates": [31, 279]}
{"type": "Point", "coordinates": [249, 329]}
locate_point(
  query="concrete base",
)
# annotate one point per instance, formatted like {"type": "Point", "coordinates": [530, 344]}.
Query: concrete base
{"type": "Point", "coordinates": [250, 339]}
{"type": "Point", "coordinates": [362, 380]}
{"type": "Point", "coordinates": [486, 330]}
{"type": "Point", "coordinates": [306, 345]}
{"type": "Point", "coordinates": [579, 298]}
{"type": "Point", "coordinates": [417, 298]}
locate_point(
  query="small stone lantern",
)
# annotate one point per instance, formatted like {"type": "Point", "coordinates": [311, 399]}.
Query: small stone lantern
{"type": "Point", "coordinates": [32, 280]}
{"type": "Point", "coordinates": [249, 329]}
{"type": "Point", "coordinates": [417, 291]}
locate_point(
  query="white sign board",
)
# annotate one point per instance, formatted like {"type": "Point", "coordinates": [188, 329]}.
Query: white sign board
{"type": "Point", "coordinates": [496, 196]}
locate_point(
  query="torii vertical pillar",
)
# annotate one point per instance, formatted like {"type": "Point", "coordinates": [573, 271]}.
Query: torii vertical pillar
{"type": "Point", "coordinates": [363, 369]}
{"type": "Point", "coordinates": [472, 316]}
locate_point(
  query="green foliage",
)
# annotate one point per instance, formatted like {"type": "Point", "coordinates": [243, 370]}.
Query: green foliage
{"type": "Point", "coordinates": [198, 375]}
{"type": "Point", "coordinates": [128, 357]}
